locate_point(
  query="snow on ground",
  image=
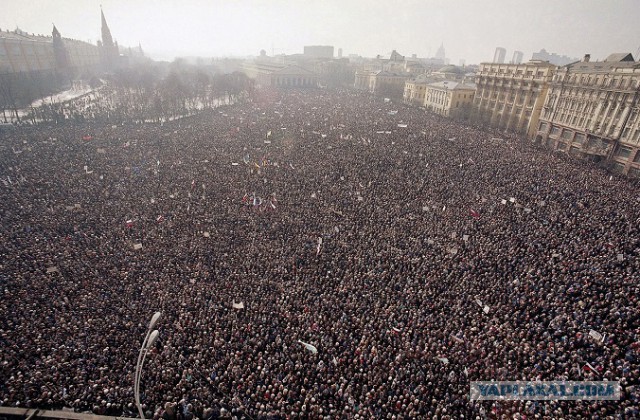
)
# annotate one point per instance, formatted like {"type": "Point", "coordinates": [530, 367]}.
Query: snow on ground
{"type": "Point", "coordinates": [60, 97]}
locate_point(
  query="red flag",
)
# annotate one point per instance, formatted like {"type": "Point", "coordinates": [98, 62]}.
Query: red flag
{"type": "Point", "coordinates": [159, 219]}
{"type": "Point", "coordinates": [86, 137]}
{"type": "Point", "coordinates": [474, 214]}
{"type": "Point", "coordinates": [129, 223]}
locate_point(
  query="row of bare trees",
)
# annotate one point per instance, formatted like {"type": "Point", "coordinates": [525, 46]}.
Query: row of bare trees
{"type": "Point", "coordinates": [149, 92]}
{"type": "Point", "coordinates": [145, 91]}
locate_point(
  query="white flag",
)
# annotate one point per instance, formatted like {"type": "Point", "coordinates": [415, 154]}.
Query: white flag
{"type": "Point", "coordinates": [309, 347]}
{"type": "Point", "coordinates": [444, 360]}
{"type": "Point", "coordinates": [503, 201]}
{"type": "Point", "coordinates": [319, 246]}
{"type": "Point", "coordinates": [52, 269]}
{"type": "Point", "coordinates": [512, 199]}
{"type": "Point", "coordinates": [485, 309]}
{"type": "Point", "coordinates": [620, 257]}
{"type": "Point", "coordinates": [238, 305]}
{"type": "Point", "coordinates": [206, 234]}
{"type": "Point", "coordinates": [137, 246]}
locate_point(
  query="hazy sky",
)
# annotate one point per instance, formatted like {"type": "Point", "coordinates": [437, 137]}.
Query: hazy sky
{"type": "Point", "coordinates": [469, 29]}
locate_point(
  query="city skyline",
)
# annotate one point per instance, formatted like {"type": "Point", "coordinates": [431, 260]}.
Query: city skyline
{"type": "Point", "coordinates": [167, 29]}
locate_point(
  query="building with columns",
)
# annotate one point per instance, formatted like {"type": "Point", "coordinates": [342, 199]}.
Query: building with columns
{"type": "Point", "coordinates": [510, 96]}
{"type": "Point", "coordinates": [449, 98]}
{"type": "Point", "coordinates": [415, 89]}
{"type": "Point", "coordinates": [592, 111]}
{"type": "Point", "coordinates": [271, 74]}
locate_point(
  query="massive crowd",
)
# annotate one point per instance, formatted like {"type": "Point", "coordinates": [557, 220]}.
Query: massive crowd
{"type": "Point", "coordinates": [415, 254]}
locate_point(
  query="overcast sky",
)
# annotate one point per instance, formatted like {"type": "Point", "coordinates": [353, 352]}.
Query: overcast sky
{"type": "Point", "coordinates": [469, 29]}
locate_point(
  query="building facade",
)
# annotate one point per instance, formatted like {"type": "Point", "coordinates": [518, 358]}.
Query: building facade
{"type": "Point", "coordinates": [592, 111]}
{"type": "Point", "coordinates": [381, 82]}
{"type": "Point", "coordinates": [511, 96]}
{"type": "Point", "coordinates": [23, 53]}
{"type": "Point", "coordinates": [449, 99]}
{"type": "Point", "coordinates": [415, 90]}
{"type": "Point", "coordinates": [318, 51]}
{"type": "Point", "coordinates": [553, 58]}
{"type": "Point", "coordinates": [269, 74]}
{"type": "Point", "coordinates": [517, 57]}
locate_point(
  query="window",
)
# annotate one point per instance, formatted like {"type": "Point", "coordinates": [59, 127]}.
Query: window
{"type": "Point", "coordinates": [624, 152]}
{"type": "Point", "coordinates": [555, 131]}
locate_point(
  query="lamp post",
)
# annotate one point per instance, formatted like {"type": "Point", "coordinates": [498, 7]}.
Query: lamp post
{"type": "Point", "coordinates": [149, 340]}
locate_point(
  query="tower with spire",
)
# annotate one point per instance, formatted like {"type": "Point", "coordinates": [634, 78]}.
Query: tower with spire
{"type": "Point", "coordinates": [60, 54]}
{"type": "Point", "coordinates": [108, 48]}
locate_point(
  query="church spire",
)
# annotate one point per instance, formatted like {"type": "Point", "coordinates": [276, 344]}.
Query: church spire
{"type": "Point", "coordinates": [55, 33]}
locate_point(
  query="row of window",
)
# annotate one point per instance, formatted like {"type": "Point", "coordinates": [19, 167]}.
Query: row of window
{"type": "Point", "coordinates": [596, 80]}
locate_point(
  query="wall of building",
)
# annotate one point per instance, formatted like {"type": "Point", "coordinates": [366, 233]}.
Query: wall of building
{"type": "Point", "coordinates": [591, 111]}
{"type": "Point", "coordinates": [511, 96]}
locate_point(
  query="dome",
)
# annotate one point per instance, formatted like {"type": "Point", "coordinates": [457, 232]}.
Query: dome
{"type": "Point", "coordinates": [450, 69]}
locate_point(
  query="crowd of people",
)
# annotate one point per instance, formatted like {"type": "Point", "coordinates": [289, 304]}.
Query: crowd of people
{"type": "Point", "coordinates": [380, 258]}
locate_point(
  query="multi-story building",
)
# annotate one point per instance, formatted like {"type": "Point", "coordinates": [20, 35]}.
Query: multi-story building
{"type": "Point", "coordinates": [553, 58]}
{"type": "Point", "coordinates": [517, 57]}
{"type": "Point", "coordinates": [510, 96]}
{"type": "Point", "coordinates": [450, 99]}
{"type": "Point", "coordinates": [383, 83]}
{"type": "Point", "coordinates": [498, 56]}
{"type": "Point", "coordinates": [272, 74]}
{"type": "Point", "coordinates": [319, 51]}
{"type": "Point", "coordinates": [415, 89]}
{"type": "Point", "coordinates": [592, 111]}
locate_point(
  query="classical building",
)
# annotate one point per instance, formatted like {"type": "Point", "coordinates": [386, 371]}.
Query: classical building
{"type": "Point", "coordinates": [592, 111]}
{"type": "Point", "coordinates": [510, 96]}
{"type": "Point", "coordinates": [381, 82]}
{"type": "Point", "coordinates": [415, 89]}
{"type": "Point", "coordinates": [270, 74]}
{"type": "Point", "coordinates": [449, 98]}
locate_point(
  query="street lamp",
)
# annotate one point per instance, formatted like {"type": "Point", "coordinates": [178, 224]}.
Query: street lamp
{"type": "Point", "coordinates": [149, 340]}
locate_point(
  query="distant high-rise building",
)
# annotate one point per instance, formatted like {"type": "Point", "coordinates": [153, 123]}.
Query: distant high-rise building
{"type": "Point", "coordinates": [517, 57]}
{"type": "Point", "coordinates": [440, 53]}
{"type": "Point", "coordinates": [339, 52]}
{"type": "Point", "coordinates": [498, 56]}
{"type": "Point", "coordinates": [553, 58]}
{"type": "Point", "coordinates": [462, 62]}
{"type": "Point", "coordinates": [318, 51]}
